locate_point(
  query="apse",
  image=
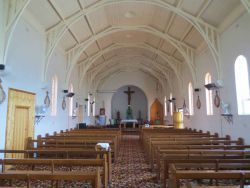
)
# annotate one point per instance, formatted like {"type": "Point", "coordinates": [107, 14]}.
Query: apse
{"type": "Point", "coordinates": [138, 103]}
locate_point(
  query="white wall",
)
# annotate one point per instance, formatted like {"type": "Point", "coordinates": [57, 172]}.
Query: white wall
{"type": "Point", "coordinates": [26, 61]}
{"type": "Point", "coordinates": [234, 41]}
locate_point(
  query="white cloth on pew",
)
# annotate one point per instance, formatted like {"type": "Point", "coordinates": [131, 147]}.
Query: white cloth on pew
{"type": "Point", "coordinates": [104, 146]}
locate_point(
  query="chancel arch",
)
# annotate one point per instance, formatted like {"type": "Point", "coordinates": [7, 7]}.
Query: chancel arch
{"type": "Point", "coordinates": [138, 103]}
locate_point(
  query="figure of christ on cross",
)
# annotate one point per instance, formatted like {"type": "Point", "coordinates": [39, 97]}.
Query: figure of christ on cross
{"type": "Point", "coordinates": [129, 92]}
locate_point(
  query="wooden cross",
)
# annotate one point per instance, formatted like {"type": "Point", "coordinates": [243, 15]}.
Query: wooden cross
{"type": "Point", "coordinates": [129, 92]}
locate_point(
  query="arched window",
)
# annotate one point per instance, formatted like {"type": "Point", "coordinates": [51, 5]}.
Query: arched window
{"type": "Point", "coordinates": [54, 95]}
{"type": "Point", "coordinates": [71, 90]}
{"type": "Point", "coordinates": [171, 104]}
{"type": "Point", "coordinates": [191, 98]}
{"type": "Point", "coordinates": [165, 106]}
{"type": "Point", "coordinates": [209, 97]}
{"type": "Point", "coordinates": [242, 85]}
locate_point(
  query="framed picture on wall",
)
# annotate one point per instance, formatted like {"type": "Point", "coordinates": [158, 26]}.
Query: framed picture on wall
{"type": "Point", "coordinates": [102, 111]}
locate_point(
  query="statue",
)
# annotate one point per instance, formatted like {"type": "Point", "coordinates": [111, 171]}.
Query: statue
{"type": "Point", "coordinates": [129, 113]}
{"type": "Point", "coordinates": [118, 117]}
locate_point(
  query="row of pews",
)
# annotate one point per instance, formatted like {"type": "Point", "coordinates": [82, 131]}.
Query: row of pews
{"type": "Point", "coordinates": [184, 156]}
{"type": "Point", "coordinates": [71, 155]}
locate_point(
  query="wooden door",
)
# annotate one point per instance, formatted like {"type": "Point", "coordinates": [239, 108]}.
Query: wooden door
{"type": "Point", "coordinates": [20, 120]}
{"type": "Point", "coordinates": [156, 112]}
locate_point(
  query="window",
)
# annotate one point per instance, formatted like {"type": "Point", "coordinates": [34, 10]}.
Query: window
{"type": "Point", "coordinates": [54, 95]}
{"type": "Point", "coordinates": [171, 104]}
{"type": "Point", "coordinates": [71, 90]}
{"type": "Point", "coordinates": [242, 85]}
{"type": "Point", "coordinates": [165, 106]}
{"type": "Point", "coordinates": [191, 98]}
{"type": "Point", "coordinates": [209, 97]}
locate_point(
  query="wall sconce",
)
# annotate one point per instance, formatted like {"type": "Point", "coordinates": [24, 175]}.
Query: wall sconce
{"type": "Point", "coordinates": [64, 103]}
{"type": "Point", "coordinates": [185, 110]}
{"type": "Point", "coordinates": [198, 102]}
{"type": "Point", "coordinates": [2, 93]}
{"type": "Point", "coordinates": [47, 100]}
{"type": "Point", "coordinates": [40, 113]}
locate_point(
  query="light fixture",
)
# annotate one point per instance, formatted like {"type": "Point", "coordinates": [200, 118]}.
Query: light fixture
{"type": "Point", "coordinates": [2, 93]}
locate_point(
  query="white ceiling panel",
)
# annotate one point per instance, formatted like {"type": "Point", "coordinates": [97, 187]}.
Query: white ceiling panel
{"type": "Point", "coordinates": [38, 8]}
{"type": "Point", "coordinates": [160, 19]}
{"type": "Point", "coordinates": [130, 14]}
{"type": "Point", "coordinates": [178, 27]}
{"type": "Point", "coordinates": [67, 41]}
{"type": "Point", "coordinates": [148, 54]}
{"type": "Point", "coordinates": [178, 55]}
{"type": "Point", "coordinates": [109, 55]}
{"type": "Point", "coordinates": [82, 57]}
{"type": "Point", "coordinates": [192, 6]}
{"type": "Point", "coordinates": [129, 37]}
{"type": "Point", "coordinates": [153, 41]}
{"type": "Point", "coordinates": [104, 42]}
{"type": "Point", "coordinates": [172, 2]}
{"type": "Point", "coordinates": [167, 47]}
{"type": "Point", "coordinates": [87, 3]}
{"type": "Point", "coordinates": [66, 7]}
{"type": "Point", "coordinates": [98, 20]}
{"type": "Point", "coordinates": [92, 49]}
{"type": "Point", "coordinates": [194, 38]}
{"type": "Point", "coordinates": [81, 30]}
{"type": "Point", "coordinates": [218, 10]}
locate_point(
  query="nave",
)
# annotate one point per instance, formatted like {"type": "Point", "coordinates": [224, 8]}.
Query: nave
{"type": "Point", "coordinates": [131, 168]}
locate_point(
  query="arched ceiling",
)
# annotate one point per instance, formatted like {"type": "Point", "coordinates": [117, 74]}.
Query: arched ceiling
{"type": "Point", "coordinates": [93, 32]}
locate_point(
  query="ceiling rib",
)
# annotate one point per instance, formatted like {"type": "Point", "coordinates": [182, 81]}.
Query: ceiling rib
{"type": "Point", "coordinates": [208, 31]}
{"type": "Point", "coordinates": [246, 4]}
{"type": "Point", "coordinates": [10, 13]}
{"type": "Point", "coordinates": [186, 51]}
{"type": "Point", "coordinates": [116, 67]}
{"type": "Point", "coordinates": [174, 64]}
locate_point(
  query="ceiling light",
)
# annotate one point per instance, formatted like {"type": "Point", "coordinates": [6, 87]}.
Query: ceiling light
{"type": "Point", "coordinates": [129, 14]}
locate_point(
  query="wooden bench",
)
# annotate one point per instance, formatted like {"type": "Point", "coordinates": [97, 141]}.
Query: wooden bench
{"type": "Point", "coordinates": [189, 142]}
{"type": "Point", "coordinates": [216, 164]}
{"type": "Point", "coordinates": [52, 163]}
{"type": "Point", "coordinates": [65, 154]}
{"type": "Point", "coordinates": [176, 175]}
{"type": "Point", "coordinates": [199, 154]}
{"type": "Point", "coordinates": [94, 177]}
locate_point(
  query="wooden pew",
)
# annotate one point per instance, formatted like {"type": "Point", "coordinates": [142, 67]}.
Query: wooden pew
{"type": "Point", "coordinates": [94, 177]}
{"type": "Point", "coordinates": [65, 154]}
{"type": "Point", "coordinates": [52, 163]}
{"type": "Point", "coordinates": [215, 164]}
{"type": "Point", "coordinates": [199, 154]}
{"type": "Point", "coordinates": [190, 142]}
{"type": "Point", "coordinates": [174, 182]}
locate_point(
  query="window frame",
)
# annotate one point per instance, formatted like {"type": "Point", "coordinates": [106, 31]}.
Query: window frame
{"type": "Point", "coordinates": [241, 73]}
{"type": "Point", "coordinates": [209, 96]}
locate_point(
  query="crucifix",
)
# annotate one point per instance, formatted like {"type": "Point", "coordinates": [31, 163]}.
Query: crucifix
{"type": "Point", "coordinates": [129, 92]}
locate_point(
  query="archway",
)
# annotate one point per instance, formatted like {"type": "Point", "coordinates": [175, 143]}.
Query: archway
{"type": "Point", "coordinates": [138, 103]}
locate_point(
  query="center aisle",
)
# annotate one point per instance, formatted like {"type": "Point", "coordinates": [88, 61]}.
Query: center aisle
{"type": "Point", "coordinates": [131, 168]}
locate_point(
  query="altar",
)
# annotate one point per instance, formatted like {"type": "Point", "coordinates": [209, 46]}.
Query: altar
{"type": "Point", "coordinates": [125, 121]}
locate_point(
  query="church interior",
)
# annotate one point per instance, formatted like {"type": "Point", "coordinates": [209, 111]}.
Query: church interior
{"type": "Point", "coordinates": [125, 93]}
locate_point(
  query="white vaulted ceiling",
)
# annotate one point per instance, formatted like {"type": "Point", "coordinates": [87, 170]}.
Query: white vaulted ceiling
{"type": "Point", "coordinates": [143, 35]}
